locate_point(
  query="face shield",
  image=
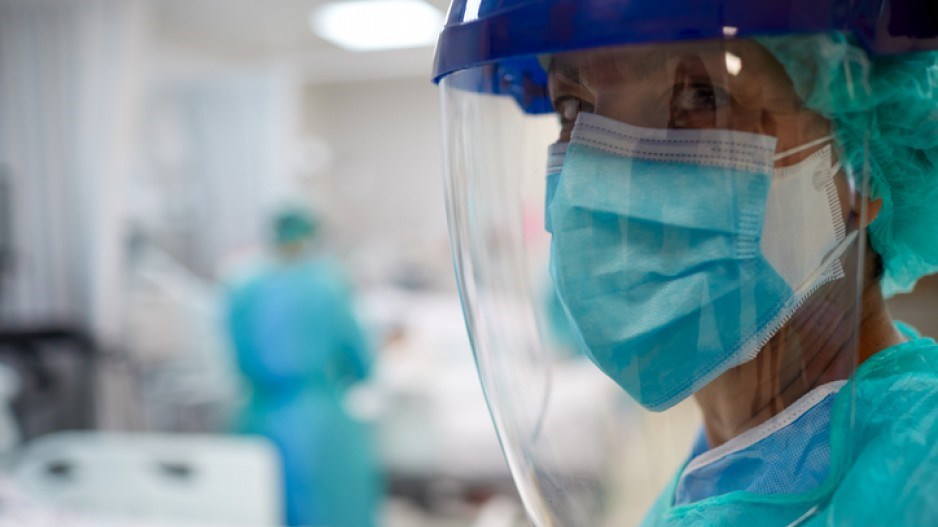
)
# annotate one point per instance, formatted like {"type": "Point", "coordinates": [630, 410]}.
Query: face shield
{"type": "Point", "coordinates": [662, 255]}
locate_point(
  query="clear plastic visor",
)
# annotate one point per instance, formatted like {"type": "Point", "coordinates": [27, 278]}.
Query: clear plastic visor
{"type": "Point", "coordinates": [661, 279]}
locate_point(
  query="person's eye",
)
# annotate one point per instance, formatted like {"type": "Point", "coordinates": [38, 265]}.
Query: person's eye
{"type": "Point", "coordinates": [568, 108]}
{"type": "Point", "coordinates": [695, 105]}
{"type": "Point", "coordinates": [698, 97]}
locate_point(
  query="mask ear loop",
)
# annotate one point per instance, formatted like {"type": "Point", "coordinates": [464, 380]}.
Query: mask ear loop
{"type": "Point", "coordinates": [802, 148]}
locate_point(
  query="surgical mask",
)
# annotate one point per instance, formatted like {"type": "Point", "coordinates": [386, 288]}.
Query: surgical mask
{"type": "Point", "coordinates": [787, 454]}
{"type": "Point", "coordinates": [556, 154]}
{"type": "Point", "coordinates": [677, 254]}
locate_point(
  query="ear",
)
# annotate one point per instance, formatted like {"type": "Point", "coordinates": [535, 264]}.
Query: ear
{"type": "Point", "coordinates": [873, 206]}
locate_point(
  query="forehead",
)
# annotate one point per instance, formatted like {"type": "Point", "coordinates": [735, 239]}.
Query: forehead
{"type": "Point", "coordinates": [629, 63]}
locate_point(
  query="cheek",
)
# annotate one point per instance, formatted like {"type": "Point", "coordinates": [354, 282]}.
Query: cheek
{"type": "Point", "coordinates": [747, 119]}
{"type": "Point", "coordinates": [565, 132]}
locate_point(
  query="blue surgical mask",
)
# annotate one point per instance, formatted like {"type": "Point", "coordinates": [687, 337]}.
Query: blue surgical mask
{"type": "Point", "coordinates": [556, 154]}
{"type": "Point", "coordinates": [787, 454]}
{"type": "Point", "coordinates": [677, 254]}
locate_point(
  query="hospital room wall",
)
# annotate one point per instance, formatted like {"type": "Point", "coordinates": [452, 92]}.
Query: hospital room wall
{"type": "Point", "coordinates": [216, 159]}
{"type": "Point", "coordinates": [383, 175]}
{"type": "Point", "coordinates": [364, 154]}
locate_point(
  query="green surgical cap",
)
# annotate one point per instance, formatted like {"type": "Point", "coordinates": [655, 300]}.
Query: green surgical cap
{"type": "Point", "coordinates": [885, 116]}
{"type": "Point", "coordinates": [293, 225]}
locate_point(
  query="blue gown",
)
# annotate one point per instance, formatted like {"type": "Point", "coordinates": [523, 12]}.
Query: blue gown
{"type": "Point", "coordinates": [881, 471]}
{"type": "Point", "coordinates": [299, 348]}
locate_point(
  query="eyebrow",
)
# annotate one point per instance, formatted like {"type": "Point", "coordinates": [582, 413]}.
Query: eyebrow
{"type": "Point", "coordinates": [643, 64]}
{"type": "Point", "coordinates": [638, 64]}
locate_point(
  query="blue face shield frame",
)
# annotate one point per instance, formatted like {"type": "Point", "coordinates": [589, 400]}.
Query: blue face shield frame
{"type": "Point", "coordinates": [508, 35]}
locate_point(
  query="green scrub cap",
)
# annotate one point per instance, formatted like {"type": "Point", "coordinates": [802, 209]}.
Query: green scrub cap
{"type": "Point", "coordinates": [293, 225]}
{"type": "Point", "coordinates": [886, 107]}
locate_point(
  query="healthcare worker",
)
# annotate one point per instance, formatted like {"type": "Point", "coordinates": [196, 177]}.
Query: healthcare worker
{"type": "Point", "coordinates": [299, 348]}
{"type": "Point", "coordinates": [731, 190]}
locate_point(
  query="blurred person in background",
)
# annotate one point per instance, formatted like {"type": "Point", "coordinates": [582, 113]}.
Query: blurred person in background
{"type": "Point", "coordinates": [299, 347]}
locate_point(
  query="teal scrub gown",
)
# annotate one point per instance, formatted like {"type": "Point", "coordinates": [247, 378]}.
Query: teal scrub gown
{"type": "Point", "coordinates": [882, 471]}
{"type": "Point", "coordinates": [299, 347]}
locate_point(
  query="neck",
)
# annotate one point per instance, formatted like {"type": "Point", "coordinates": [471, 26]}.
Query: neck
{"type": "Point", "coordinates": [821, 344]}
{"type": "Point", "coordinates": [877, 330]}
{"type": "Point", "coordinates": [292, 251]}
